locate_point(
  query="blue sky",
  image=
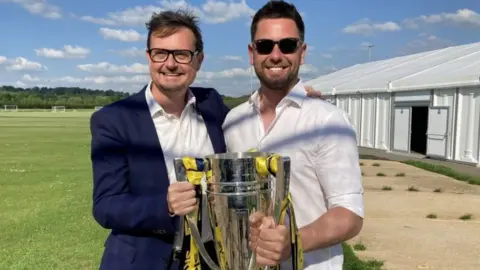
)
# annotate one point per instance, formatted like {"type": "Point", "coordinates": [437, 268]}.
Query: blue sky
{"type": "Point", "coordinates": [100, 44]}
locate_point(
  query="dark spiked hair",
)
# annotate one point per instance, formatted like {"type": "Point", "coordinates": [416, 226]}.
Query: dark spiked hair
{"type": "Point", "coordinates": [278, 10]}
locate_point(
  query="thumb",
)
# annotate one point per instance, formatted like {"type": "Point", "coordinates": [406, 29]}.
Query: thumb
{"type": "Point", "coordinates": [256, 219]}
{"type": "Point", "coordinates": [268, 223]}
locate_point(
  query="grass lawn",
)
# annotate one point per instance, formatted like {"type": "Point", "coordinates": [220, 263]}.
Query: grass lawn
{"type": "Point", "coordinates": [45, 194]}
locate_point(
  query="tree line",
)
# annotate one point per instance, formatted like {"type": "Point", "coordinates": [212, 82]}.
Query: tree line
{"type": "Point", "coordinates": [70, 97]}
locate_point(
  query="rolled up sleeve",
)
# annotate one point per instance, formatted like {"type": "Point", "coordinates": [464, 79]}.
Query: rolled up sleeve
{"type": "Point", "coordinates": [337, 164]}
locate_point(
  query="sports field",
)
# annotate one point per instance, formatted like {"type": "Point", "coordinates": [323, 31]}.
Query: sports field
{"type": "Point", "coordinates": [45, 194]}
{"type": "Point", "coordinates": [45, 191]}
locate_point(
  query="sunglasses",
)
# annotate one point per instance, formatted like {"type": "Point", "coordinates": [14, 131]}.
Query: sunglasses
{"type": "Point", "coordinates": [286, 45]}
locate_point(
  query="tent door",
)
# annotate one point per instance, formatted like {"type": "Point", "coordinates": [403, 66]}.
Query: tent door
{"type": "Point", "coordinates": [401, 129]}
{"type": "Point", "coordinates": [437, 132]}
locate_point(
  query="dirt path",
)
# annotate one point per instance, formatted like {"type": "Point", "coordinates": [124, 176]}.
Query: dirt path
{"type": "Point", "coordinates": [397, 230]}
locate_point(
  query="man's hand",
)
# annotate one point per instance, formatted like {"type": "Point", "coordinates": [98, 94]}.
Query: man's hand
{"type": "Point", "coordinates": [181, 198]}
{"type": "Point", "coordinates": [271, 242]}
{"type": "Point", "coordinates": [254, 231]}
{"type": "Point", "coordinates": [313, 93]}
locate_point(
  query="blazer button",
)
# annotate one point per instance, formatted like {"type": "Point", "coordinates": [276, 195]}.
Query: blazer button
{"type": "Point", "coordinates": [159, 232]}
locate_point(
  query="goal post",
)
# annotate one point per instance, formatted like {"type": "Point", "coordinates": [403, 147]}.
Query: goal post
{"type": "Point", "coordinates": [10, 108]}
{"type": "Point", "coordinates": [58, 108]}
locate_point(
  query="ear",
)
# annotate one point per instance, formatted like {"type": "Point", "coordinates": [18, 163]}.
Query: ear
{"type": "Point", "coordinates": [251, 51]}
{"type": "Point", "coordinates": [303, 53]}
{"type": "Point", "coordinates": [200, 57]}
{"type": "Point", "coordinates": [148, 57]}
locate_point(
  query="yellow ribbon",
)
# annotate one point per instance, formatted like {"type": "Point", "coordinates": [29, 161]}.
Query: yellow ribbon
{"type": "Point", "coordinates": [194, 172]}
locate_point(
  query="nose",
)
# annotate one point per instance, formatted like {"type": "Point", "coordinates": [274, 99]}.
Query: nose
{"type": "Point", "coordinates": [170, 63]}
{"type": "Point", "coordinates": [276, 54]}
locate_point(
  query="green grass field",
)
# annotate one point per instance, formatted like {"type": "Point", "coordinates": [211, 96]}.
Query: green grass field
{"type": "Point", "coordinates": [46, 191]}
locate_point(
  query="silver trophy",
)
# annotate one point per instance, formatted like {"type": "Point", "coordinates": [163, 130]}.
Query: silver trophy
{"type": "Point", "coordinates": [238, 185]}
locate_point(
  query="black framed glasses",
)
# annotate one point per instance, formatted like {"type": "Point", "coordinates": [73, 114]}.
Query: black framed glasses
{"type": "Point", "coordinates": [180, 56]}
{"type": "Point", "coordinates": [286, 45]}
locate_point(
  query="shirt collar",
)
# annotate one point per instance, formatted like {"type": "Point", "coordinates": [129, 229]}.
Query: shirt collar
{"type": "Point", "coordinates": [156, 108]}
{"type": "Point", "coordinates": [295, 97]}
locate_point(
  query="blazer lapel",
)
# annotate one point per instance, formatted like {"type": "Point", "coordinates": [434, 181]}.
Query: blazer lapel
{"type": "Point", "coordinates": [148, 135]}
{"type": "Point", "coordinates": [214, 127]}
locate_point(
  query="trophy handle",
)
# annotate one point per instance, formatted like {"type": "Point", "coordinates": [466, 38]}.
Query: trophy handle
{"type": "Point", "coordinates": [279, 167]}
{"type": "Point", "coordinates": [192, 170]}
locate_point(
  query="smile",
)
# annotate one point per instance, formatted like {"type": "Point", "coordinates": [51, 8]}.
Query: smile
{"type": "Point", "coordinates": [276, 69]}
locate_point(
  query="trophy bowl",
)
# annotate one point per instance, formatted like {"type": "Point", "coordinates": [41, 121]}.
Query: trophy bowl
{"type": "Point", "coordinates": [239, 185]}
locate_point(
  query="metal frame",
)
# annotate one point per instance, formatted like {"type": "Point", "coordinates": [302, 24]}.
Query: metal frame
{"type": "Point", "coordinates": [478, 144]}
{"type": "Point", "coordinates": [361, 119]}
{"type": "Point", "coordinates": [456, 98]}
{"type": "Point", "coordinates": [407, 104]}
{"type": "Point", "coordinates": [413, 104]}
{"type": "Point", "coordinates": [392, 118]}
{"type": "Point", "coordinates": [375, 120]}
{"type": "Point", "coordinates": [446, 136]}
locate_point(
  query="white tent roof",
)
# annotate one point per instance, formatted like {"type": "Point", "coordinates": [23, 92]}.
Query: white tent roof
{"type": "Point", "coordinates": [450, 67]}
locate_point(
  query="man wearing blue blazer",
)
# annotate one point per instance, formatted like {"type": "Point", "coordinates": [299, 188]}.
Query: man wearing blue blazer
{"type": "Point", "coordinates": [134, 142]}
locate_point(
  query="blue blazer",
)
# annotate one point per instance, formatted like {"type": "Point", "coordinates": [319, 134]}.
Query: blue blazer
{"type": "Point", "coordinates": [130, 179]}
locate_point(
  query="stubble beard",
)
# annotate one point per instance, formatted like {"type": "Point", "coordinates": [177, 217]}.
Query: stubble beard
{"type": "Point", "coordinates": [277, 84]}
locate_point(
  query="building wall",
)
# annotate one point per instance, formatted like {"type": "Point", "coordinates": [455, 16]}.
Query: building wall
{"type": "Point", "coordinates": [355, 112]}
{"type": "Point", "coordinates": [468, 125]}
{"type": "Point", "coordinates": [342, 103]}
{"type": "Point", "coordinates": [367, 131]}
{"type": "Point", "coordinates": [382, 121]}
{"type": "Point", "coordinates": [371, 115]}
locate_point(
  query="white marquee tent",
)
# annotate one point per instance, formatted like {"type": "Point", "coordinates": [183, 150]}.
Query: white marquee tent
{"type": "Point", "coordinates": [427, 103]}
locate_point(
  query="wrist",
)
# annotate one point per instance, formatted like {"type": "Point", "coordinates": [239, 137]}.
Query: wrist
{"type": "Point", "coordinates": [169, 209]}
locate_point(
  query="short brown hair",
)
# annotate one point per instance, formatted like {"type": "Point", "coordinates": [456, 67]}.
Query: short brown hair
{"type": "Point", "coordinates": [168, 22]}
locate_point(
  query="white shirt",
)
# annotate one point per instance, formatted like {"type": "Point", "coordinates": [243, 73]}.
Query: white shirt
{"type": "Point", "coordinates": [322, 145]}
{"type": "Point", "coordinates": [184, 136]}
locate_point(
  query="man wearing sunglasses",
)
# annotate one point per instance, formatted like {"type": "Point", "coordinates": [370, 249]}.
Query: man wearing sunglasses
{"type": "Point", "coordinates": [325, 178]}
{"type": "Point", "coordinates": [134, 141]}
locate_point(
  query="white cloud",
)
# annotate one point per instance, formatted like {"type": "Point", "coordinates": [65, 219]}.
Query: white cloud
{"type": "Point", "coordinates": [366, 27]}
{"type": "Point", "coordinates": [38, 7]}
{"type": "Point", "coordinates": [131, 52]}
{"type": "Point", "coordinates": [462, 17]}
{"type": "Point", "coordinates": [134, 16]}
{"type": "Point", "coordinates": [21, 84]}
{"type": "Point", "coordinates": [30, 78]}
{"type": "Point", "coordinates": [425, 42]}
{"type": "Point", "coordinates": [67, 52]}
{"type": "Point", "coordinates": [20, 64]}
{"type": "Point", "coordinates": [232, 58]}
{"type": "Point", "coordinates": [136, 79]}
{"type": "Point", "coordinates": [326, 55]}
{"type": "Point", "coordinates": [105, 67]}
{"type": "Point", "coordinates": [122, 35]}
{"type": "Point", "coordinates": [212, 11]}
